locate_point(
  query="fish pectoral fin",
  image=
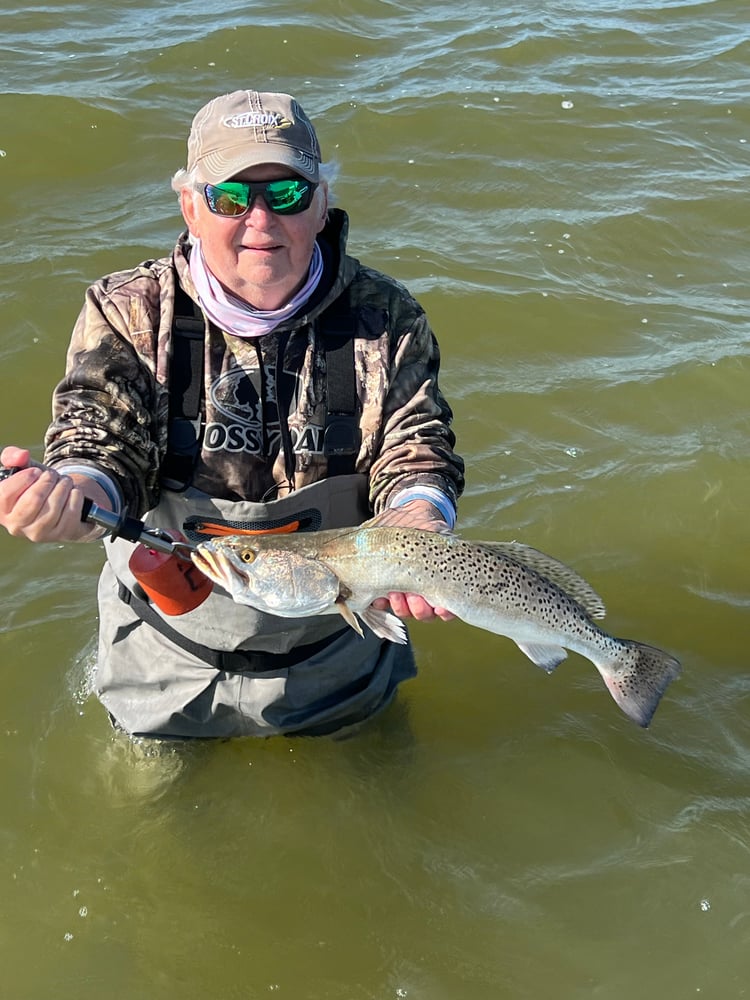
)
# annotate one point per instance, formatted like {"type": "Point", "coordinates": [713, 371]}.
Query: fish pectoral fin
{"type": "Point", "coordinates": [348, 615]}
{"type": "Point", "coordinates": [384, 624]}
{"type": "Point", "coordinates": [544, 655]}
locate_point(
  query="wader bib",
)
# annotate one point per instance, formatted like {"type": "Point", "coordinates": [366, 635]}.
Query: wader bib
{"type": "Point", "coordinates": [224, 669]}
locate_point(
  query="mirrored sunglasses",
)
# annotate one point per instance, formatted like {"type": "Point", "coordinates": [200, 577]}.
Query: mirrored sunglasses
{"type": "Point", "coordinates": [283, 197]}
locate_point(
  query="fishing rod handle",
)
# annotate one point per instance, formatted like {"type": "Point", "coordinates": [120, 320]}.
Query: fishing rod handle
{"type": "Point", "coordinates": [130, 528]}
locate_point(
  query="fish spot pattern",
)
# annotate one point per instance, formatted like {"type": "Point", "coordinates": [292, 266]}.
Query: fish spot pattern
{"type": "Point", "coordinates": [491, 577]}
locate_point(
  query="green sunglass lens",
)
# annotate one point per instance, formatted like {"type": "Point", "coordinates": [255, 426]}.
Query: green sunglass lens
{"type": "Point", "coordinates": [287, 196]}
{"type": "Point", "coordinates": [227, 199]}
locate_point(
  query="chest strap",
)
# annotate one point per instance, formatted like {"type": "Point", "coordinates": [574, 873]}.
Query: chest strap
{"type": "Point", "coordinates": [236, 661]}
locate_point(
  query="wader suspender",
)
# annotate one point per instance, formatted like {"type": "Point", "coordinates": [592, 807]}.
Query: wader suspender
{"type": "Point", "coordinates": [185, 392]}
{"type": "Point", "coordinates": [342, 434]}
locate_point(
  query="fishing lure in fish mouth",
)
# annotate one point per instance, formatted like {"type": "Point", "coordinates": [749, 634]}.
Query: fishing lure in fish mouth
{"type": "Point", "coordinates": [506, 588]}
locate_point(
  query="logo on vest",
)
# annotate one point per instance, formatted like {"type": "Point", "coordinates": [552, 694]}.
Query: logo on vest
{"type": "Point", "coordinates": [241, 420]}
{"type": "Point", "coordinates": [257, 119]}
{"type": "Point", "coordinates": [236, 395]}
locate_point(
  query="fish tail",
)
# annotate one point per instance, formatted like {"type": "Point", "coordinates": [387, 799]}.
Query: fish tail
{"type": "Point", "coordinates": [638, 677]}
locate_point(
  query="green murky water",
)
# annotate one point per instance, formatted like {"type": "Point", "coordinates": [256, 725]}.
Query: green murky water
{"type": "Point", "coordinates": [563, 188]}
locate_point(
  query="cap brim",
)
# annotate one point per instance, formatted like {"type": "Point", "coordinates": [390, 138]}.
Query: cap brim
{"type": "Point", "coordinates": [222, 165]}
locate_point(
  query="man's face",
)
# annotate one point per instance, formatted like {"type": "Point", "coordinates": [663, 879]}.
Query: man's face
{"type": "Point", "coordinates": [261, 257]}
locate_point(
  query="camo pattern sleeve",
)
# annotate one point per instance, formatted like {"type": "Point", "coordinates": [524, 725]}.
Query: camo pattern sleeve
{"type": "Point", "coordinates": [406, 420]}
{"type": "Point", "coordinates": [109, 410]}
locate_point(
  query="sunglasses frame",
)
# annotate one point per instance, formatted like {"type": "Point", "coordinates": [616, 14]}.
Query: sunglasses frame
{"type": "Point", "coordinates": [254, 189]}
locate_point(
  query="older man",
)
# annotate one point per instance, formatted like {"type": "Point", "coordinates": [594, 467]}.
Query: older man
{"type": "Point", "coordinates": [258, 378]}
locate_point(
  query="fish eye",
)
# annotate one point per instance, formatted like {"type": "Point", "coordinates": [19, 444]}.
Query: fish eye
{"type": "Point", "coordinates": [248, 556]}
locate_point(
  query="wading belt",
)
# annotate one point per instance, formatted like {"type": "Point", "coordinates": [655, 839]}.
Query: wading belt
{"type": "Point", "coordinates": [337, 326]}
{"type": "Point", "coordinates": [233, 662]}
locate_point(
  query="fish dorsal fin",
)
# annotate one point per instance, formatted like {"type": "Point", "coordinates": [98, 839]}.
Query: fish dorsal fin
{"type": "Point", "coordinates": [560, 574]}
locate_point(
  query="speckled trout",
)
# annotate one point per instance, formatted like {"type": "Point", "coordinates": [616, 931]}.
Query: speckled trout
{"type": "Point", "coordinates": [504, 587]}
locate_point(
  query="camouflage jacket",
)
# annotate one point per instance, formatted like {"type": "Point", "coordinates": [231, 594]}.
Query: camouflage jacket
{"type": "Point", "coordinates": [111, 407]}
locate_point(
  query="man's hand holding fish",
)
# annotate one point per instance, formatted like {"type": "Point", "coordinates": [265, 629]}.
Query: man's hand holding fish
{"type": "Point", "coordinates": [416, 514]}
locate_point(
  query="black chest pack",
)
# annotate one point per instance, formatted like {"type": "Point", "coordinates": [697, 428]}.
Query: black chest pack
{"type": "Point", "coordinates": [337, 326]}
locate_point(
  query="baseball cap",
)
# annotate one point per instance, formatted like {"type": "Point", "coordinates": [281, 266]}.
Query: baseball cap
{"type": "Point", "coordinates": [246, 128]}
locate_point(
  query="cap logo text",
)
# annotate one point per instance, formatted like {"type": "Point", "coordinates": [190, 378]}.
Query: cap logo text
{"type": "Point", "coordinates": [257, 119]}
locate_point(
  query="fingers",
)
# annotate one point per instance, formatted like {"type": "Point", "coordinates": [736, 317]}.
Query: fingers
{"type": "Point", "coordinates": [412, 606]}
{"type": "Point", "coordinates": [12, 488]}
{"type": "Point", "coordinates": [444, 614]}
{"type": "Point", "coordinates": [14, 458]}
{"type": "Point", "coordinates": [39, 504]}
{"type": "Point", "coordinates": [50, 507]}
{"type": "Point", "coordinates": [417, 607]}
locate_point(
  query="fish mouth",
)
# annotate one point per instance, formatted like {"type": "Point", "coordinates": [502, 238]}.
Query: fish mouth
{"type": "Point", "coordinates": [217, 567]}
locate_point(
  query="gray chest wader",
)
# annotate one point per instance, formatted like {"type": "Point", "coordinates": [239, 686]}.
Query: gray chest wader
{"type": "Point", "coordinates": [224, 669]}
